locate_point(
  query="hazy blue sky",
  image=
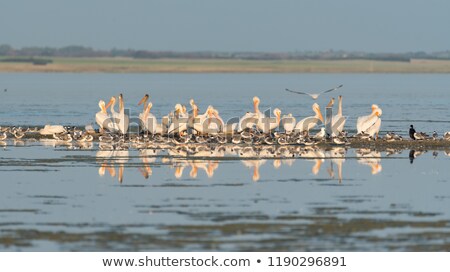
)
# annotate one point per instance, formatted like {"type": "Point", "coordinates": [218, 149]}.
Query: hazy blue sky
{"type": "Point", "coordinates": [229, 25]}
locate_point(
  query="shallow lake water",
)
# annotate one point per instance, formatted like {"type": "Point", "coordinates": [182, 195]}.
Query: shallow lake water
{"type": "Point", "coordinates": [78, 198]}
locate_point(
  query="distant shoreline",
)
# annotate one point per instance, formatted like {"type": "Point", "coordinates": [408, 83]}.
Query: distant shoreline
{"type": "Point", "coordinates": [131, 65]}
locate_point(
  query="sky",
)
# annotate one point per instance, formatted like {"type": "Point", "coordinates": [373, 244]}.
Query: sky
{"type": "Point", "coordinates": [229, 25]}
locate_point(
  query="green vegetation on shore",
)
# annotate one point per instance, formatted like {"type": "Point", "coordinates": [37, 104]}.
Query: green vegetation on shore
{"type": "Point", "coordinates": [81, 59]}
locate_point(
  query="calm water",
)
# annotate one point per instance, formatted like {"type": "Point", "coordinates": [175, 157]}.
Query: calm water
{"type": "Point", "coordinates": [69, 198]}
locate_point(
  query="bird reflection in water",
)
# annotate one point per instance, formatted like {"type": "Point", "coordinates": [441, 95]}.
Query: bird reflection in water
{"type": "Point", "coordinates": [147, 157]}
{"type": "Point", "coordinates": [413, 154]}
{"type": "Point", "coordinates": [337, 157]}
{"type": "Point", "coordinates": [370, 158]}
{"type": "Point", "coordinates": [208, 166]}
{"type": "Point", "coordinates": [254, 165]}
{"type": "Point", "coordinates": [206, 159]}
{"type": "Point", "coordinates": [109, 159]}
{"type": "Point", "coordinates": [313, 154]}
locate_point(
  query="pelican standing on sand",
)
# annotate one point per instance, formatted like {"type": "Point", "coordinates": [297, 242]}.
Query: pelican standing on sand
{"type": "Point", "coordinates": [148, 120]}
{"type": "Point", "coordinates": [338, 120]}
{"type": "Point", "coordinates": [309, 122]}
{"type": "Point", "coordinates": [200, 119]}
{"type": "Point", "coordinates": [52, 129]}
{"type": "Point", "coordinates": [179, 122]}
{"type": "Point", "coordinates": [370, 124]}
{"type": "Point", "coordinates": [120, 119]}
{"type": "Point", "coordinates": [250, 119]}
{"type": "Point", "coordinates": [102, 117]}
{"type": "Point", "coordinates": [315, 95]}
{"type": "Point", "coordinates": [268, 124]}
{"type": "Point", "coordinates": [226, 128]}
{"type": "Point", "coordinates": [113, 126]}
{"type": "Point", "coordinates": [143, 101]}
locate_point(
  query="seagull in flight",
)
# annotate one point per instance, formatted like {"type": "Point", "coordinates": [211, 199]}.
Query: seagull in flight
{"type": "Point", "coordinates": [315, 95]}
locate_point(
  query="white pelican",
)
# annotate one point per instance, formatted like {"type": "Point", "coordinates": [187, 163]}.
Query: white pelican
{"type": "Point", "coordinates": [315, 95]}
{"type": "Point", "coordinates": [288, 122]}
{"type": "Point", "coordinates": [113, 126]}
{"type": "Point", "coordinates": [52, 129]}
{"type": "Point", "coordinates": [147, 124]}
{"type": "Point", "coordinates": [180, 119]}
{"type": "Point", "coordinates": [123, 118]}
{"type": "Point", "coordinates": [226, 128]}
{"type": "Point", "coordinates": [309, 122]}
{"type": "Point", "coordinates": [148, 120]}
{"type": "Point", "coordinates": [250, 119]}
{"type": "Point", "coordinates": [370, 124]}
{"type": "Point", "coordinates": [268, 124]}
{"type": "Point", "coordinates": [144, 101]}
{"type": "Point", "coordinates": [199, 120]}
{"type": "Point", "coordinates": [215, 122]}
{"type": "Point", "coordinates": [338, 120]}
{"type": "Point", "coordinates": [256, 102]}
{"type": "Point", "coordinates": [102, 117]}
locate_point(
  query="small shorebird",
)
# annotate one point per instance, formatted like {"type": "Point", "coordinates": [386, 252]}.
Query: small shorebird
{"type": "Point", "coordinates": [85, 138]}
{"type": "Point", "coordinates": [320, 135]}
{"type": "Point", "coordinates": [18, 133]}
{"type": "Point", "coordinates": [435, 135]}
{"type": "Point", "coordinates": [391, 137]}
{"type": "Point", "coordinates": [315, 95]}
{"type": "Point", "coordinates": [64, 137]}
{"type": "Point", "coordinates": [420, 136]}
{"type": "Point", "coordinates": [363, 136]}
{"type": "Point", "coordinates": [447, 136]}
{"type": "Point", "coordinates": [288, 122]}
{"type": "Point", "coordinates": [411, 132]}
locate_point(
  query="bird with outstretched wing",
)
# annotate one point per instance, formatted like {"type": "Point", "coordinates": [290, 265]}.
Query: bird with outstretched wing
{"type": "Point", "coordinates": [315, 95]}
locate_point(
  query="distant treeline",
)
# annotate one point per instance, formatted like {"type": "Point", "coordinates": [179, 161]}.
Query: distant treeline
{"type": "Point", "coordinates": [81, 51]}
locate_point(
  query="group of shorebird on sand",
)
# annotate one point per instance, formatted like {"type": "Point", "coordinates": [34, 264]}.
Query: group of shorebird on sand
{"type": "Point", "coordinates": [183, 127]}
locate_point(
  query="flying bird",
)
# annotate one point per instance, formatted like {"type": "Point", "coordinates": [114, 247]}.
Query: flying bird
{"type": "Point", "coordinates": [315, 95]}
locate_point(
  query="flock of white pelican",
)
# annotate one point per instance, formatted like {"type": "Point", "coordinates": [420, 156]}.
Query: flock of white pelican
{"type": "Point", "coordinates": [206, 137]}
{"type": "Point", "coordinates": [253, 127]}
{"type": "Point", "coordinates": [181, 126]}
